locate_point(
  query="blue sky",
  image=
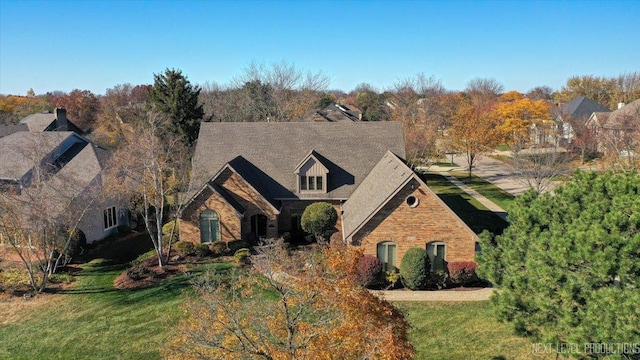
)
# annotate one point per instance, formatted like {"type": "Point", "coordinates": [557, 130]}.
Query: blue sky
{"type": "Point", "coordinates": [94, 45]}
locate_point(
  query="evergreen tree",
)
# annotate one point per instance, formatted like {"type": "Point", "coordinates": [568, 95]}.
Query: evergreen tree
{"type": "Point", "coordinates": [173, 95]}
{"type": "Point", "coordinates": [568, 266]}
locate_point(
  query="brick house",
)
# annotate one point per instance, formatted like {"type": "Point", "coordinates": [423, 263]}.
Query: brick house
{"type": "Point", "coordinates": [253, 180]}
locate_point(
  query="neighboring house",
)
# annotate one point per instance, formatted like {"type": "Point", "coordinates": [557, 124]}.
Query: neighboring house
{"type": "Point", "coordinates": [619, 130]}
{"type": "Point", "coordinates": [41, 122]}
{"type": "Point", "coordinates": [62, 170]}
{"type": "Point", "coordinates": [336, 113]}
{"type": "Point", "coordinates": [253, 180]}
{"type": "Point", "coordinates": [576, 111]}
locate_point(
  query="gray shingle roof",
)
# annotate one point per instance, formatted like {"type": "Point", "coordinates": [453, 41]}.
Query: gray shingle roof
{"type": "Point", "coordinates": [626, 117]}
{"type": "Point", "coordinates": [9, 129]}
{"type": "Point", "coordinates": [582, 107]}
{"type": "Point", "coordinates": [266, 154]}
{"type": "Point", "coordinates": [388, 177]}
{"type": "Point", "coordinates": [20, 151]}
{"type": "Point", "coordinates": [47, 122]}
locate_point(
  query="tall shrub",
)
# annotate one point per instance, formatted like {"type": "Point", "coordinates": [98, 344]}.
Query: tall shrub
{"type": "Point", "coordinates": [414, 268]}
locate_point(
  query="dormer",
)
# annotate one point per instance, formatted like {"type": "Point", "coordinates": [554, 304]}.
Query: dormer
{"type": "Point", "coordinates": [311, 174]}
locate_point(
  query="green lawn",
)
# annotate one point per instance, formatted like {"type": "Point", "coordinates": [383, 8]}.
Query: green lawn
{"type": "Point", "coordinates": [94, 320]}
{"type": "Point", "coordinates": [487, 189]}
{"type": "Point", "coordinates": [463, 331]}
{"type": "Point", "coordinates": [472, 212]}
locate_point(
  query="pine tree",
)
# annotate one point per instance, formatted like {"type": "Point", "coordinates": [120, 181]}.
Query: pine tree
{"type": "Point", "coordinates": [568, 266]}
{"type": "Point", "coordinates": [173, 95]}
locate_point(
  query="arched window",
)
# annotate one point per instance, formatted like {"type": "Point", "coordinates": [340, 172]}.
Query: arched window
{"type": "Point", "coordinates": [259, 225]}
{"type": "Point", "coordinates": [387, 255]}
{"type": "Point", "coordinates": [209, 226]}
{"type": "Point", "coordinates": [437, 252]}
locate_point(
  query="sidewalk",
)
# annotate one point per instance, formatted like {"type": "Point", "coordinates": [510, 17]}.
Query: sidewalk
{"type": "Point", "coordinates": [439, 295]}
{"type": "Point", "coordinates": [481, 198]}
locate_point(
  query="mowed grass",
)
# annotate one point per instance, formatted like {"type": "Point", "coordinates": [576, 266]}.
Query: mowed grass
{"type": "Point", "coordinates": [470, 210]}
{"type": "Point", "coordinates": [487, 189]}
{"type": "Point", "coordinates": [94, 320]}
{"type": "Point", "coordinates": [463, 331]}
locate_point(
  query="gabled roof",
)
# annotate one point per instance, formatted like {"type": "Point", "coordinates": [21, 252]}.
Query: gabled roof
{"type": "Point", "coordinates": [21, 151]}
{"type": "Point", "coordinates": [47, 122]}
{"type": "Point", "coordinates": [266, 154]}
{"type": "Point", "coordinates": [627, 117]}
{"type": "Point", "coordinates": [385, 180]}
{"type": "Point", "coordinates": [581, 108]}
{"type": "Point", "coordinates": [312, 155]}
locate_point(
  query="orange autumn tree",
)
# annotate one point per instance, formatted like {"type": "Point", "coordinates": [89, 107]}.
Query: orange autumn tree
{"type": "Point", "coordinates": [298, 305]}
{"type": "Point", "coordinates": [519, 114]}
{"type": "Point", "coordinates": [474, 128]}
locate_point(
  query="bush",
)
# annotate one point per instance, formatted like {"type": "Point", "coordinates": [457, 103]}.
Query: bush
{"type": "Point", "coordinates": [138, 272]}
{"type": "Point", "coordinates": [241, 255]}
{"type": "Point", "coordinates": [368, 269]}
{"type": "Point", "coordinates": [436, 280]}
{"type": "Point", "coordinates": [320, 220]}
{"type": "Point", "coordinates": [218, 248]}
{"type": "Point", "coordinates": [202, 250]}
{"type": "Point", "coordinates": [392, 279]}
{"type": "Point", "coordinates": [168, 227]}
{"type": "Point", "coordinates": [462, 273]}
{"type": "Point", "coordinates": [185, 248]}
{"type": "Point", "coordinates": [414, 268]}
{"type": "Point", "coordinates": [236, 245]}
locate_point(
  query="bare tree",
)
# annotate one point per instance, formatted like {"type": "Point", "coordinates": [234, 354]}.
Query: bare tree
{"type": "Point", "coordinates": [416, 102]}
{"type": "Point", "coordinates": [293, 93]}
{"type": "Point", "coordinates": [151, 172]}
{"type": "Point", "coordinates": [538, 167]}
{"type": "Point", "coordinates": [620, 138]}
{"type": "Point", "coordinates": [40, 214]}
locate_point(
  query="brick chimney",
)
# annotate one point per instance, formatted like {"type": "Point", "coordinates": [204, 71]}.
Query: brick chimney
{"type": "Point", "coordinates": [61, 119]}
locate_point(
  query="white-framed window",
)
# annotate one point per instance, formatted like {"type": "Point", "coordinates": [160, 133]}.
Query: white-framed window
{"type": "Point", "coordinates": [110, 219]}
{"type": "Point", "coordinates": [387, 255]}
{"type": "Point", "coordinates": [437, 253]}
{"type": "Point", "coordinates": [311, 183]}
{"type": "Point", "coordinates": [209, 226]}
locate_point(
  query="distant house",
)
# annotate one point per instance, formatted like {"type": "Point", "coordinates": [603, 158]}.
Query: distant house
{"type": "Point", "coordinates": [336, 113]}
{"type": "Point", "coordinates": [576, 111]}
{"type": "Point", "coordinates": [41, 122]}
{"type": "Point", "coordinates": [253, 180]}
{"type": "Point", "coordinates": [617, 131]}
{"type": "Point", "coordinates": [65, 170]}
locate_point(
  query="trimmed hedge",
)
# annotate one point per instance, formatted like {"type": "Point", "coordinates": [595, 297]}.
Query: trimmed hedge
{"type": "Point", "coordinates": [462, 273]}
{"type": "Point", "coordinates": [218, 248]}
{"type": "Point", "coordinates": [241, 255]}
{"type": "Point", "coordinates": [414, 268]}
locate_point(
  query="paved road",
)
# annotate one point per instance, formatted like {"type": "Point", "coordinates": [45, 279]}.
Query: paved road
{"type": "Point", "coordinates": [439, 295]}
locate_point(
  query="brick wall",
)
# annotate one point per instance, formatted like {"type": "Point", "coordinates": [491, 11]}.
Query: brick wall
{"type": "Point", "coordinates": [429, 221]}
{"type": "Point", "coordinates": [229, 220]}
{"type": "Point", "coordinates": [231, 226]}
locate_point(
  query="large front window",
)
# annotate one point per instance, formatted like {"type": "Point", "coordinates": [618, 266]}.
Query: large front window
{"type": "Point", "coordinates": [110, 219]}
{"type": "Point", "coordinates": [209, 226]}
{"type": "Point", "coordinates": [387, 255]}
{"type": "Point", "coordinates": [311, 183]}
{"type": "Point", "coordinates": [437, 252]}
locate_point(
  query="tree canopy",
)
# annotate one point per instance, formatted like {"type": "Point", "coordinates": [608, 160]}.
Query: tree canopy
{"type": "Point", "coordinates": [173, 95]}
{"type": "Point", "coordinates": [568, 266]}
